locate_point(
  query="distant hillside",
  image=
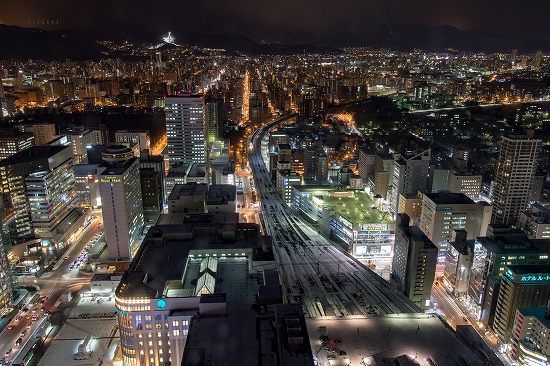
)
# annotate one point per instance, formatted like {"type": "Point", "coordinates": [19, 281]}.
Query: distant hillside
{"type": "Point", "coordinates": [33, 43]}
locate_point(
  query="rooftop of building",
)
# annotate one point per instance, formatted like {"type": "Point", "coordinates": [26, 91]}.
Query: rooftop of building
{"type": "Point", "coordinates": [84, 169]}
{"type": "Point", "coordinates": [169, 249]}
{"type": "Point", "coordinates": [531, 268]}
{"type": "Point", "coordinates": [447, 198]}
{"type": "Point", "coordinates": [33, 153]}
{"type": "Point", "coordinates": [118, 169]}
{"type": "Point", "coordinates": [189, 189]}
{"type": "Point", "coordinates": [284, 146]}
{"type": "Point", "coordinates": [185, 95]}
{"type": "Point", "coordinates": [221, 194]}
{"type": "Point", "coordinates": [249, 339]}
{"type": "Point", "coordinates": [12, 133]}
{"type": "Point", "coordinates": [542, 314]}
{"type": "Point", "coordinates": [131, 131]}
{"type": "Point", "coordinates": [378, 341]}
{"type": "Point", "coordinates": [358, 208]}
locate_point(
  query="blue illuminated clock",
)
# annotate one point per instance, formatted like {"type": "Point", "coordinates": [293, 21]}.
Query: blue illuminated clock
{"type": "Point", "coordinates": [161, 304]}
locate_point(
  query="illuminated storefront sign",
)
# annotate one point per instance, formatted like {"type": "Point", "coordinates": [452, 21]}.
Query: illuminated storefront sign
{"type": "Point", "coordinates": [161, 304]}
{"type": "Point", "coordinates": [368, 227]}
{"type": "Point", "coordinates": [346, 222]}
{"type": "Point", "coordinates": [110, 179]}
{"type": "Point", "coordinates": [535, 278]}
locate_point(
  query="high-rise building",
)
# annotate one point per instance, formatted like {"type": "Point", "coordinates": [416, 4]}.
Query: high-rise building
{"type": "Point", "coordinates": [214, 114]}
{"type": "Point", "coordinates": [444, 212]}
{"type": "Point", "coordinates": [134, 137]}
{"type": "Point", "coordinates": [12, 141]}
{"type": "Point", "coordinates": [43, 132]}
{"type": "Point", "coordinates": [525, 286]}
{"type": "Point", "coordinates": [185, 128]}
{"type": "Point", "coordinates": [409, 176]}
{"type": "Point", "coordinates": [14, 170]}
{"type": "Point", "coordinates": [414, 261]}
{"type": "Point", "coordinates": [51, 195]}
{"type": "Point", "coordinates": [120, 189]}
{"type": "Point", "coordinates": [515, 168]}
{"type": "Point", "coordinates": [155, 162]}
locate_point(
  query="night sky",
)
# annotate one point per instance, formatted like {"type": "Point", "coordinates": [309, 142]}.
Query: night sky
{"type": "Point", "coordinates": [315, 21]}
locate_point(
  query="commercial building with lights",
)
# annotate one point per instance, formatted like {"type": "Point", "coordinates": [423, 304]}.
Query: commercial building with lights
{"type": "Point", "coordinates": [122, 207]}
{"type": "Point", "coordinates": [348, 216]}
{"type": "Point", "coordinates": [188, 266]}
{"type": "Point", "coordinates": [13, 141]}
{"type": "Point", "coordinates": [186, 128]}
{"type": "Point", "coordinates": [14, 170]}
{"type": "Point", "coordinates": [42, 132]}
{"type": "Point", "coordinates": [502, 246]}
{"type": "Point", "coordinates": [51, 195]}
{"type": "Point", "coordinates": [530, 341]}
{"type": "Point", "coordinates": [286, 179]}
{"type": "Point", "coordinates": [444, 212]}
{"type": "Point", "coordinates": [81, 139]}
{"type": "Point", "coordinates": [525, 286]}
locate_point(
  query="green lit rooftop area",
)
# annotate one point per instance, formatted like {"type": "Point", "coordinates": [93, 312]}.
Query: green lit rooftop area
{"type": "Point", "coordinates": [357, 208]}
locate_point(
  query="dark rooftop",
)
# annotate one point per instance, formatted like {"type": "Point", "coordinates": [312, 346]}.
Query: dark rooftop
{"type": "Point", "coordinates": [33, 153]}
{"type": "Point", "coordinates": [446, 198]}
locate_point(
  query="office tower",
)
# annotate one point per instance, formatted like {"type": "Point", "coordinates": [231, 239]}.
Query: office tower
{"type": "Point", "coordinates": [366, 162]}
{"type": "Point", "coordinates": [530, 340]}
{"type": "Point", "coordinates": [51, 195]}
{"type": "Point", "coordinates": [469, 184]}
{"type": "Point", "coordinates": [13, 141]}
{"type": "Point", "coordinates": [175, 275]}
{"type": "Point", "coordinates": [286, 179]}
{"type": "Point", "coordinates": [120, 189]}
{"type": "Point", "coordinates": [155, 162]}
{"type": "Point", "coordinates": [185, 128]}
{"type": "Point", "coordinates": [444, 212]}
{"type": "Point", "coordinates": [43, 132]}
{"type": "Point", "coordinates": [105, 135]}
{"type": "Point", "coordinates": [414, 261]}
{"type": "Point", "coordinates": [412, 206]}
{"type": "Point", "coordinates": [151, 190]}
{"type": "Point", "coordinates": [140, 137]}
{"type": "Point", "coordinates": [503, 245]}
{"type": "Point", "coordinates": [515, 168]}
{"type": "Point", "coordinates": [14, 170]}
{"type": "Point", "coordinates": [81, 139]}
{"type": "Point", "coordinates": [458, 264]}
{"type": "Point", "coordinates": [409, 176]}
{"type": "Point", "coordinates": [214, 114]}
{"type": "Point", "coordinates": [526, 286]}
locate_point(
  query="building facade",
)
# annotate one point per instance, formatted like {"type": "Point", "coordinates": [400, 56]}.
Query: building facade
{"type": "Point", "coordinates": [525, 286]}
{"type": "Point", "coordinates": [122, 206]}
{"type": "Point", "coordinates": [414, 261]}
{"type": "Point", "coordinates": [515, 168]}
{"type": "Point", "coordinates": [185, 128]}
